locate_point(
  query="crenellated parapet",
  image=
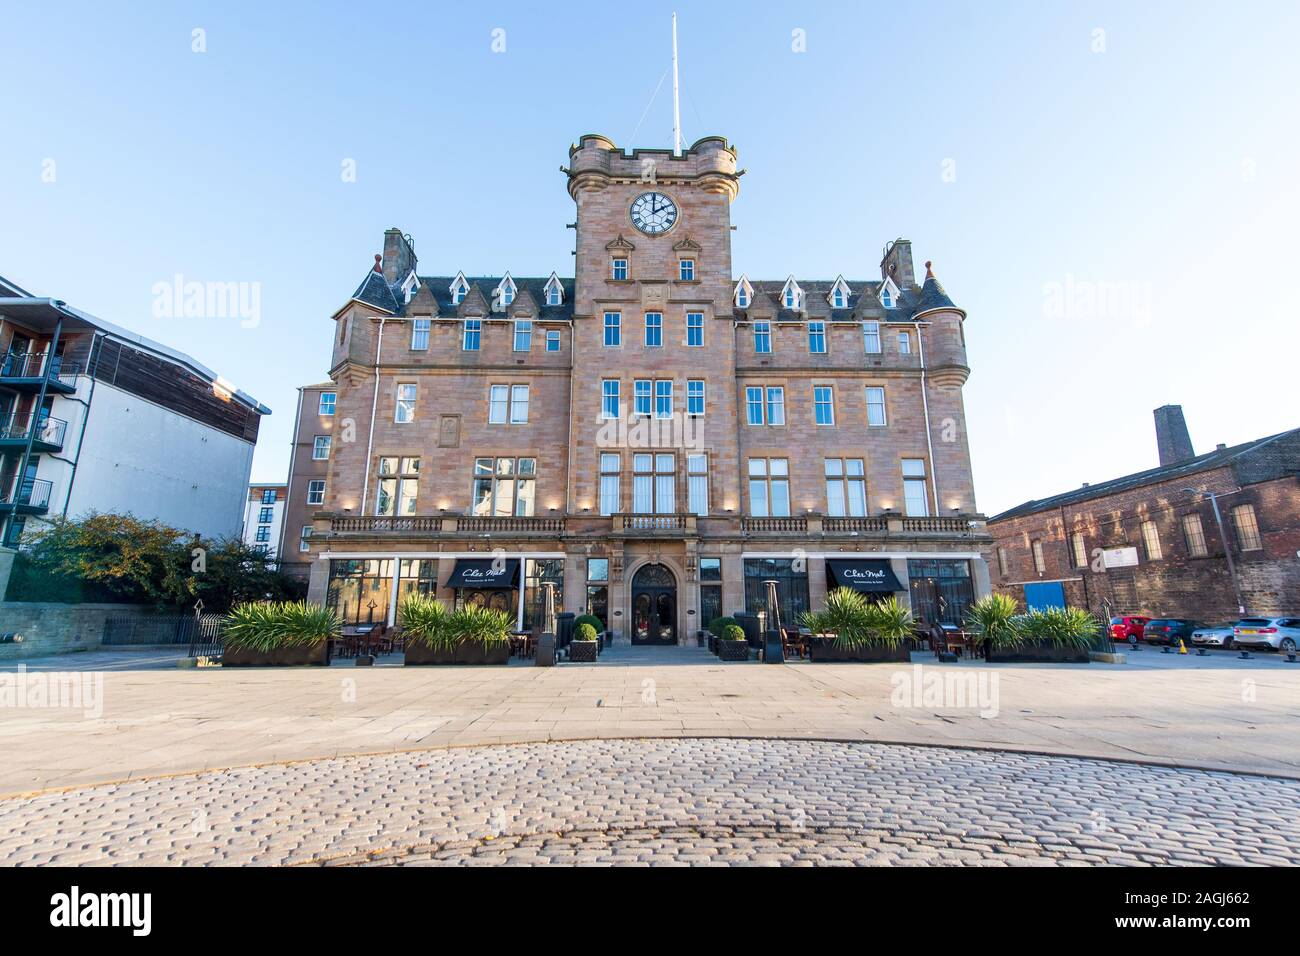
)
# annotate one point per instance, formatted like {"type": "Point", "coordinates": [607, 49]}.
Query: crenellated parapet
{"type": "Point", "coordinates": [596, 163]}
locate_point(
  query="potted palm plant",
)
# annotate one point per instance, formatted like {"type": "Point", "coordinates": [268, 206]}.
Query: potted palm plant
{"type": "Point", "coordinates": [863, 631]}
{"type": "Point", "coordinates": [994, 618]}
{"type": "Point", "coordinates": [1062, 635]}
{"type": "Point", "coordinates": [279, 634]}
{"type": "Point", "coordinates": [467, 635]}
{"type": "Point", "coordinates": [732, 645]}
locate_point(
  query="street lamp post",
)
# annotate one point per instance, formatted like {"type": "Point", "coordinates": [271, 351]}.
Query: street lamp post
{"type": "Point", "coordinates": [1223, 538]}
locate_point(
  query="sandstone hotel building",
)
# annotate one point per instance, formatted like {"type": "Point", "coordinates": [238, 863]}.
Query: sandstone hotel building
{"type": "Point", "coordinates": [657, 435]}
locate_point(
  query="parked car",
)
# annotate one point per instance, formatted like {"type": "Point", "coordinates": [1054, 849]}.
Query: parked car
{"type": "Point", "coordinates": [1279, 633]}
{"type": "Point", "coordinates": [1128, 628]}
{"type": "Point", "coordinates": [1218, 636]}
{"type": "Point", "coordinates": [1169, 630]}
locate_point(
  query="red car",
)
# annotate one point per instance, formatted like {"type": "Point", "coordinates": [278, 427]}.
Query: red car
{"type": "Point", "coordinates": [1129, 628]}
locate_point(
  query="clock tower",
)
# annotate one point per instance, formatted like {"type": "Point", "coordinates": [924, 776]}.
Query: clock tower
{"type": "Point", "coordinates": [652, 326]}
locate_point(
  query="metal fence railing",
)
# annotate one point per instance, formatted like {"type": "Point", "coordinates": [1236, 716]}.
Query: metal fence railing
{"type": "Point", "coordinates": [201, 635]}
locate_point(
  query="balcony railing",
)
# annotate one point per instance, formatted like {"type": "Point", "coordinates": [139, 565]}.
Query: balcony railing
{"type": "Point", "coordinates": [445, 524]}
{"type": "Point", "coordinates": [32, 365]}
{"type": "Point", "coordinates": [483, 523]}
{"type": "Point", "coordinates": [661, 522]}
{"type": "Point", "coordinates": [770, 525]}
{"type": "Point", "coordinates": [854, 525]}
{"type": "Point", "coordinates": [32, 493]}
{"type": "Point", "coordinates": [945, 525]}
{"type": "Point", "coordinates": [49, 431]}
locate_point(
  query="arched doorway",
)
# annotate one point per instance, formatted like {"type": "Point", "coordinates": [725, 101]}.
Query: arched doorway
{"type": "Point", "coordinates": [654, 606]}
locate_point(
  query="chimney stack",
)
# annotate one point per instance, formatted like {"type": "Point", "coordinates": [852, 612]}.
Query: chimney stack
{"type": "Point", "coordinates": [897, 264]}
{"type": "Point", "coordinates": [1172, 440]}
{"type": "Point", "coordinates": [399, 255]}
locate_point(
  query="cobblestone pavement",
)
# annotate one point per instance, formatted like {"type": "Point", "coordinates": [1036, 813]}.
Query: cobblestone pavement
{"type": "Point", "coordinates": [732, 801]}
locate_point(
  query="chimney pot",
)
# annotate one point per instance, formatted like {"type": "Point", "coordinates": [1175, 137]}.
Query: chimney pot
{"type": "Point", "coordinates": [1173, 443]}
{"type": "Point", "coordinates": [1220, 447]}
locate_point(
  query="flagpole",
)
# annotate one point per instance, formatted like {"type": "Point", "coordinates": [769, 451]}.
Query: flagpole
{"type": "Point", "coordinates": [677, 111]}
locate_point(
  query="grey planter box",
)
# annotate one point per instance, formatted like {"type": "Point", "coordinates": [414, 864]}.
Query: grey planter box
{"type": "Point", "coordinates": [309, 655]}
{"type": "Point", "coordinates": [583, 652]}
{"type": "Point", "coordinates": [1038, 654]}
{"type": "Point", "coordinates": [821, 651]}
{"type": "Point", "coordinates": [420, 655]}
{"type": "Point", "coordinates": [733, 650]}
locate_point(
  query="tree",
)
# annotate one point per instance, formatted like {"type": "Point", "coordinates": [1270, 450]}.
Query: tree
{"type": "Point", "coordinates": [152, 563]}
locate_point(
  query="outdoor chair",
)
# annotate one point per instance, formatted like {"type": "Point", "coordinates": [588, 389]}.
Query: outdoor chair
{"type": "Point", "coordinates": [794, 643]}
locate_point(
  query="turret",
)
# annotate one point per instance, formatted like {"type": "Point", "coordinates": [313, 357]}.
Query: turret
{"type": "Point", "coordinates": [945, 345]}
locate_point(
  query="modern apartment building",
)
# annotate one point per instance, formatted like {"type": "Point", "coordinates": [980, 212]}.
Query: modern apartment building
{"type": "Point", "coordinates": [264, 516]}
{"type": "Point", "coordinates": [658, 435]}
{"type": "Point", "coordinates": [96, 418]}
{"type": "Point", "coordinates": [1198, 536]}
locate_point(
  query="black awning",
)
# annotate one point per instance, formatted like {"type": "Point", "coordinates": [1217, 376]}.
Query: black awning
{"type": "Point", "coordinates": [874, 576]}
{"type": "Point", "coordinates": [485, 573]}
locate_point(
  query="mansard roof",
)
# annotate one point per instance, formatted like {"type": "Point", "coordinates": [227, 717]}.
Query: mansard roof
{"type": "Point", "coordinates": [863, 301]}
{"type": "Point", "coordinates": [535, 286]}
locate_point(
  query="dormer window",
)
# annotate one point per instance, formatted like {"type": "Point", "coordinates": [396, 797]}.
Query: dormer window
{"type": "Point", "coordinates": [410, 286]}
{"type": "Point", "coordinates": [744, 293]}
{"type": "Point", "coordinates": [888, 293]}
{"type": "Point", "coordinates": [791, 295]}
{"type": "Point", "coordinates": [459, 289]}
{"type": "Point", "coordinates": [554, 290]}
{"type": "Point", "coordinates": [505, 291]}
{"type": "Point", "coordinates": [838, 297]}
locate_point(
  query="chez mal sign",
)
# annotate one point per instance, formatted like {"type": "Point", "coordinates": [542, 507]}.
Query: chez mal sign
{"type": "Point", "coordinates": [470, 573]}
{"type": "Point", "coordinates": [865, 575]}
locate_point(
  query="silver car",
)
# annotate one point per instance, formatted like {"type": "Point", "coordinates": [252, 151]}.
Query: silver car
{"type": "Point", "coordinates": [1279, 633]}
{"type": "Point", "coordinates": [1220, 636]}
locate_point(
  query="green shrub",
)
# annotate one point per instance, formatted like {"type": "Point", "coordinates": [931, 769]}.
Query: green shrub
{"type": "Point", "coordinates": [277, 624]}
{"type": "Point", "coordinates": [584, 632]}
{"type": "Point", "coordinates": [720, 624]}
{"type": "Point", "coordinates": [995, 618]}
{"type": "Point", "coordinates": [424, 621]}
{"type": "Point", "coordinates": [733, 632]}
{"type": "Point", "coordinates": [591, 619]}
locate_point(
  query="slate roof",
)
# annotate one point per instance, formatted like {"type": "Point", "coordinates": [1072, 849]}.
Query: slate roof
{"type": "Point", "coordinates": [864, 300]}
{"type": "Point", "coordinates": [440, 286]}
{"type": "Point", "coordinates": [932, 296]}
{"type": "Point", "coordinates": [1260, 460]}
{"type": "Point", "coordinates": [375, 291]}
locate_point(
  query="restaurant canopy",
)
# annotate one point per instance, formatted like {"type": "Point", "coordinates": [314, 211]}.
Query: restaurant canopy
{"type": "Point", "coordinates": [485, 573]}
{"type": "Point", "coordinates": [873, 576]}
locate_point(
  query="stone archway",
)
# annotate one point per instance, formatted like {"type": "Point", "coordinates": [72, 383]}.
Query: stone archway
{"type": "Point", "coordinates": [654, 609]}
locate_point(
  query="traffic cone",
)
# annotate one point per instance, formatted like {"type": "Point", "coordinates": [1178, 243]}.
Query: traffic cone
{"type": "Point", "coordinates": [1182, 648]}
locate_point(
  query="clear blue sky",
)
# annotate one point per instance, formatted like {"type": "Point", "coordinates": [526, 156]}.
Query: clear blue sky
{"type": "Point", "coordinates": [1161, 172]}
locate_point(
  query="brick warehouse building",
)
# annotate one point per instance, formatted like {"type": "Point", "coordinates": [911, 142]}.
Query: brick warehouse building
{"type": "Point", "coordinates": [655, 436]}
{"type": "Point", "coordinates": [1149, 543]}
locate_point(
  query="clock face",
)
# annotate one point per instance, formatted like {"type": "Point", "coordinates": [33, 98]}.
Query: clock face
{"type": "Point", "coordinates": [653, 213]}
